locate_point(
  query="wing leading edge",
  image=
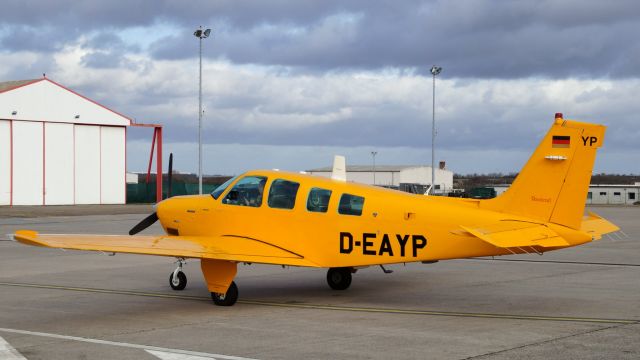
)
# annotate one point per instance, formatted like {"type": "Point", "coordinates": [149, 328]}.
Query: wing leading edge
{"type": "Point", "coordinates": [232, 248]}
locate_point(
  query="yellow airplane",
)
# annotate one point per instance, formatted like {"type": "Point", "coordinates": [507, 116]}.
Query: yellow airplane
{"type": "Point", "coordinates": [320, 222]}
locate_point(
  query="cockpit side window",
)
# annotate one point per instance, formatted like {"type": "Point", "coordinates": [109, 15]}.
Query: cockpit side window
{"type": "Point", "coordinates": [282, 194]}
{"type": "Point", "coordinates": [220, 189]}
{"type": "Point", "coordinates": [246, 192]}
{"type": "Point", "coordinates": [318, 200]}
{"type": "Point", "coordinates": [351, 204]}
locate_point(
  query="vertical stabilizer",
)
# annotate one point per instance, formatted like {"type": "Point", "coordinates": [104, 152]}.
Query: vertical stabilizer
{"type": "Point", "coordinates": [339, 168]}
{"type": "Point", "coordinates": [553, 185]}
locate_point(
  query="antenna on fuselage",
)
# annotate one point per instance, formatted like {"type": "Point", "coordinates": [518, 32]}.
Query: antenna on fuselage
{"type": "Point", "coordinates": [339, 168]}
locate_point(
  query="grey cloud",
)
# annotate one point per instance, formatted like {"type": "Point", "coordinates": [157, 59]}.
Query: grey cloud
{"type": "Point", "coordinates": [477, 39]}
{"type": "Point", "coordinates": [107, 50]}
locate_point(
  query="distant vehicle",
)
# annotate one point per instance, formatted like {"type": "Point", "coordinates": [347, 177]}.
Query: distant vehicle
{"type": "Point", "coordinates": [482, 193]}
{"type": "Point", "coordinates": [312, 221]}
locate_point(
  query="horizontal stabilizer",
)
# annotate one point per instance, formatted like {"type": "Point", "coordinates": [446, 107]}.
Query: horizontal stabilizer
{"type": "Point", "coordinates": [597, 225]}
{"type": "Point", "coordinates": [232, 248]}
{"type": "Point", "coordinates": [514, 234]}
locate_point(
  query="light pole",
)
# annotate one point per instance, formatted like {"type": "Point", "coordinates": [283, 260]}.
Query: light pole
{"type": "Point", "coordinates": [373, 154]}
{"type": "Point", "coordinates": [435, 70]}
{"type": "Point", "coordinates": [200, 34]}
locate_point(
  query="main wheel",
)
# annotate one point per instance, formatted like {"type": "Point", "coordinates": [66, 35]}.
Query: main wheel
{"type": "Point", "coordinates": [339, 278]}
{"type": "Point", "coordinates": [178, 282]}
{"type": "Point", "coordinates": [227, 299]}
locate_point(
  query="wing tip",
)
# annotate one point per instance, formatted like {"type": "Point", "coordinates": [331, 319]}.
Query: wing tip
{"type": "Point", "coordinates": [27, 237]}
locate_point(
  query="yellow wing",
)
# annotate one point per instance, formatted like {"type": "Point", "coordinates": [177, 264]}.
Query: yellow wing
{"type": "Point", "coordinates": [230, 248]}
{"type": "Point", "coordinates": [514, 234]}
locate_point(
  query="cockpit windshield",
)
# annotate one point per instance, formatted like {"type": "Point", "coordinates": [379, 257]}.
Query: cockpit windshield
{"type": "Point", "coordinates": [220, 189]}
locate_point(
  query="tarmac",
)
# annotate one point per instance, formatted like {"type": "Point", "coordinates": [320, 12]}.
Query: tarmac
{"type": "Point", "coordinates": [578, 303]}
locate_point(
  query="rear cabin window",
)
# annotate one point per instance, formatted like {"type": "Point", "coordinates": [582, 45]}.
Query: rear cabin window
{"type": "Point", "coordinates": [318, 200]}
{"type": "Point", "coordinates": [351, 204]}
{"type": "Point", "coordinates": [282, 194]}
{"type": "Point", "coordinates": [246, 192]}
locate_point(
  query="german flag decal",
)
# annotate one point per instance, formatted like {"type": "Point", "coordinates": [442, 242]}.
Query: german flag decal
{"type": "Point", "coordinates": [561, 141]}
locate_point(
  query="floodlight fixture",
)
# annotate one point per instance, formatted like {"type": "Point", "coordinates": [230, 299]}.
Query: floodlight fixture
{"type": "Point", "coordinates": [435, 70]}
{"type": "Point", "coordinates": [202, 34]}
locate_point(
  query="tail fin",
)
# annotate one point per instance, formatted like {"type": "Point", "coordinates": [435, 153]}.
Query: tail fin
{"type": "Point", "coordinates": [552, 186]}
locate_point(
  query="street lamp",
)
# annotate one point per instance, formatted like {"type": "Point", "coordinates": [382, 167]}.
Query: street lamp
{"type": "Point", "coordinates": [435, 70]}
{"type": "Point", "coordinates": [200, 34]}
{"type": "Point", "coordinates": [373, 154]}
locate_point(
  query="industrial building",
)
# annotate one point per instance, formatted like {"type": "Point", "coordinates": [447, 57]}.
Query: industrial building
{"type": "Point", "coordinates": [618, 194]}
{"type": "Point", "coordinates": [613, 194]}
{"type": "Point", "coordinates": [394, 175]}
{"type": "Point", "coordinates": [58, 147]}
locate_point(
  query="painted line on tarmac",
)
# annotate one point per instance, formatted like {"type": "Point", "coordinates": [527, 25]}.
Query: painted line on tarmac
{"type": "Point", "coordinates": [8, 352]}
{"type": "Point", "coordinates": [147, 348]}
{"type": "Point", "coordinates": [554, 262]}
{"type": "Point", "coordinates": [337, 307]}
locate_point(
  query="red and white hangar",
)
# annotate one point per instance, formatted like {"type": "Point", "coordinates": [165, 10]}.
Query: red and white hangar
{"type": "Point", "coordinates": [58, 147]}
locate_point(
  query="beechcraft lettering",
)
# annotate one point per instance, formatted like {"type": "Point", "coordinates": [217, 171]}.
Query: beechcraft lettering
{"type": "Point", "coordinates": [370, 244]}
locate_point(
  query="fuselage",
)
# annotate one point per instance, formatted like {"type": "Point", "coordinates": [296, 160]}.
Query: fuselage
{"type": "Point", "coordinates": [392, 226]}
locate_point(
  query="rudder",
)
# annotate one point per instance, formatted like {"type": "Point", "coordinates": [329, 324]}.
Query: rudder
{"type": "Point", "coordinates": [553, 185]}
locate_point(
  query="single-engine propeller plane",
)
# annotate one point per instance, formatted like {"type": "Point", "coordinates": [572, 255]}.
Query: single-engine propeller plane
{"type": "Point", "coordinates": [274, 217]}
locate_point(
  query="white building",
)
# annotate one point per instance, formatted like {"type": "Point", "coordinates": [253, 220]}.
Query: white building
{"type": "Point", "coordinates": [602, 194]}
{"type": "Point", "coordinates": [393, 175]}
{"type": "Point", "coordinates": [58, 147]}
{"type": "Point", "coordinates": [613, 194]}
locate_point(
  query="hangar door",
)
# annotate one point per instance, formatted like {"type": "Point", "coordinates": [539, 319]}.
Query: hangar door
{"type": "Point", "coordinates": [28, 169]}
{"type": "Point", "coordinates": [112, 165]}
{"type": "Point", "coordinates": [58, 164]}
{"type": "Point", "coordinates": [5, 162]}
{"type": "Point", "coordinates": [99, 165]}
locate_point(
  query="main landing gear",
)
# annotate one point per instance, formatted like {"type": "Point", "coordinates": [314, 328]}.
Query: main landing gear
{"type": "Point", "coordinates": [227, 299]}
{"type": "Point", "coordinates": [339, 278]}
{"type": "Point", "coordinates": [177, 279]}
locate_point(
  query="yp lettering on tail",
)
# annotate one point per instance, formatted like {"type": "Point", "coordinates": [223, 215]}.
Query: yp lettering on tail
{"type": "Point", "coordinates": [387, 245]}
{"type": "Point", "coordinates": [589, 139]}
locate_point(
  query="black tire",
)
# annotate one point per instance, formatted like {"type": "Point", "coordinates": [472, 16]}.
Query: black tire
{"type": "Point", "coordinates": [180, 281]}
{"type": "Point", "coordinates": [339, 278]}
{"type": "Point", "coordinates": [227, 299]}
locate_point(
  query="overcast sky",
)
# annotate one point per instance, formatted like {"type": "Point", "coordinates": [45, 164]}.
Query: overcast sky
{"type": "Point", "coordinates": [287, 83]}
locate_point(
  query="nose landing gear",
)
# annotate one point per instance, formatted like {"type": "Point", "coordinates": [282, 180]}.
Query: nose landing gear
{"type": "Point", "coordinates": [177, 279]}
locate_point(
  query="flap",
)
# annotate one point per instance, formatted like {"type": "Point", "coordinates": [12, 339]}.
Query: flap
{"type": "Point", "coordinates": [230, 248]}
{"type": "Point", "coordinates": [597, 226]}
{"type": "Point", "coordinates": [512, 234]}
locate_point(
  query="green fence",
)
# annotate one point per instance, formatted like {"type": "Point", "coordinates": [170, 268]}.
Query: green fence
{"type": "Point", "coordinates": [146, 193]}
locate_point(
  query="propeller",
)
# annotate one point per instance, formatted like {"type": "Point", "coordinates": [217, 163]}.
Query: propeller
{"type": "Point", "coordinates": [151, 219]}
{"type": "Point", "coordinates": [145, 223]}
{"type": "Point", "coordinates": [169, 175]}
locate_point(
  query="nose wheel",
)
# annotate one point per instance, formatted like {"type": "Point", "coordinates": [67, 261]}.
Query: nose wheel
{"type": "Point", "coordinates": [177, 279]}
{"type": "Point", "coordinates": [227, 299]}
{"type": "Point", "coordinates": [339, 278]}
